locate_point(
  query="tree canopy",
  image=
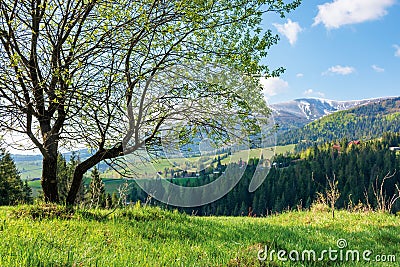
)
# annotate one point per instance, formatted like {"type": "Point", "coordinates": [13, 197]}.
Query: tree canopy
{"type": "Point", "coordinates": [113, 76]}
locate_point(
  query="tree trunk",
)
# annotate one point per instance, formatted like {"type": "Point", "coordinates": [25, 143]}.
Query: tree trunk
{"type": "Point", "coordinates": [49, 177]}
{"type": "Point", "coordinates": [49, 170]}
{"type": "Point", "coordinates": [84, 166]}
{"type": "Point", "coordinates": [75, 185]}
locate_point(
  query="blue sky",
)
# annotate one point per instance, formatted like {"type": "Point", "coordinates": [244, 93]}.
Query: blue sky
{"type": "Point", "coordinates": [336, 49]}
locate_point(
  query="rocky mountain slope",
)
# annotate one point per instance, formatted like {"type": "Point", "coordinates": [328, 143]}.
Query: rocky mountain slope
{"type": "Point", "coordinates": [298, 112]}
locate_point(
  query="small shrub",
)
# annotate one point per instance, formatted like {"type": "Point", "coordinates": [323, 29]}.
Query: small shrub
{"type": "Point", "coordinates": [320, 204]}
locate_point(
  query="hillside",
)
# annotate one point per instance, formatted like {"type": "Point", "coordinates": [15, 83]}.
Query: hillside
{"type": "Point", "coordinates": [362, 122]}
{"type": "Point", "coordinates": [30, 166]}
{"type": "Point", "coordinates": [296, 179]}
{"type": "Point", "coordinates": [297, 113]}
{"type": "Point", "coordinates": [145, 236]}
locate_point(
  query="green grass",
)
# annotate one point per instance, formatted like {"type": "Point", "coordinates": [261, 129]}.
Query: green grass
{"type": "Point", "coordinates": [30, 169]}
{"type": "Point", "coordinates": [143, 236]}
{"type": "Point", "coordinates": [37, 187]}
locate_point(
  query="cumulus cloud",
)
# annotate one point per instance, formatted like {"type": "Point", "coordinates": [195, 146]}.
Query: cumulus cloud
{"type": "Point", "coordinates": [299, 75]}
{"type": "Point", "coordinates": [397, 52]}
{"type": "Point", "coordinates": [273, 86]}
{"type": "Point", "coordinates": [290, 29]}
{"type": "Point", "coordinates": [377, 69]}
{"type": "Point", "coordinates": [311, 92]}
{"type": "Point", "coordinates": [343, 12]}
{"type": "Point", "coordinates": [342, 70]}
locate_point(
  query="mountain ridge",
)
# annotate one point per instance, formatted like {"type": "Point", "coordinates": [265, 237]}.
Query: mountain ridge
{"type": "Point", "coordinates": [298, 112]}
{"type": "Point", "coordinates": [366, 121]}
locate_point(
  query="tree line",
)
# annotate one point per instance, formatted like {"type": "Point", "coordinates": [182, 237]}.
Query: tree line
{"type": "Point", "coordinates": [297, 180]}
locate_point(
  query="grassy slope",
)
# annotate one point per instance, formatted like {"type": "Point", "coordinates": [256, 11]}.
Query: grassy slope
{"type": "Point", "coordinates": [159, 165]}
{"type": "Point", "coordinates": [30, 169]}
{"type": "Point", "coordinates": [153, 237]}
{"type": "Point", "coordinates": [112, 180]}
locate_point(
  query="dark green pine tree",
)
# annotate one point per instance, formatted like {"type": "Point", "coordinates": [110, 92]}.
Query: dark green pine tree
{"type": "Point", "coordinates": [65, 173]}
{"type": "Point", "coordinates": [64, 177]}
{"type": "Point", "coordinates": [109, 203]}
{"type": "Point", "coordinates": [12, 189]}
{"type": "Point", "coordinates": [96, 190]}
{"type": "Point", "coordinates": [27, 193]}
{"type": "Point", "coordinates": [115, 200]}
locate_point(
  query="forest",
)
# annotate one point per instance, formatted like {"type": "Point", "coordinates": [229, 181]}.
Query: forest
{"type": "Point", "coordinates": [299, 180]}
{"type": "Point", "coordinates": [296, 180]}
{"type": "Point", "coordinates": [363, 122]}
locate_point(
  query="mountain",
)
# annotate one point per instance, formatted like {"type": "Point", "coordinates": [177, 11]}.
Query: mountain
{"type": "Point", "coordinates": [299, 112]}
{"type": "Point", "coordinates": [365, 121]}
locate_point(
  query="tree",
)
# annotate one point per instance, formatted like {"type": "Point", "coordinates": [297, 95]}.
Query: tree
{"type": "Point", "coordinates": [65, 173]}
{"type": "Point", "coordinates": [332, 192]}
{"type": "Point", "coordinates": [12, 189]}
{"type": "Point", "coordinates": [75, 70]}
{"type": "Point", "coordinates": [115, 200]}
{"type": "Point", "coordinates": [63, 178]}
{"type": "Point", "coordinates": [27, 193]}
{"type": "Point", "coordinates": [109, 203]}
{"type": "Point", "coordinates": [43, 47]}
{"type": "Point", "coordinates": [96, 190]}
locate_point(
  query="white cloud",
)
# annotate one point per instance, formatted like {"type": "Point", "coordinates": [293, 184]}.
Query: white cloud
{"type": "Point", "coordinates": [339, 70]}
{"type": "Point", "coordinates": [343, 12]}
{"type": "Point", "coordinates": [377, 69]}
{"type": "Point", "coordinates": [299, 75]}
{"type": "Point", "coordinates": [273, 86]}
{"type": "Point", "coordinates": [290, 29]}
{"type": "Point", "coordinates": [310, 92]}
{"type": "Point", "coordinates": [397, 53]}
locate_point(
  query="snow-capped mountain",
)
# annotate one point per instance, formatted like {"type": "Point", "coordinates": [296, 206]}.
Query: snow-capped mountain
{"type": "Point", "coordinates": [299, 112]}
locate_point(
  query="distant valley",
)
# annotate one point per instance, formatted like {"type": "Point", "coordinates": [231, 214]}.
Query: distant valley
{"type": "Point", "coordinates": [301, 121]}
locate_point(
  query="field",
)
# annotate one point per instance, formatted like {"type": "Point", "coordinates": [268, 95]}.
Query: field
{"type": "Point", "coordinates": [112, 179]}
{"type": "Point", "coordinates": [30, 169]}
{"type": "Point", "coordinates": [146, 236]}
{"type": "Point", "coordinates": [149, 170]}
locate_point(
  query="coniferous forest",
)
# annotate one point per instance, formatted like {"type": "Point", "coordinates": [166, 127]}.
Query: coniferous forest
{"type": "Point", "coordinates": [296, 180]}
{"type": "Point", "coordinates": [299, 180]}
{"type": "Point", "coordinates": [363, 122]}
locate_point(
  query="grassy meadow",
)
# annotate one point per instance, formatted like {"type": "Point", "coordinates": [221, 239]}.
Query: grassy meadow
{"type": "Point", "coordinates": [146, 236]}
